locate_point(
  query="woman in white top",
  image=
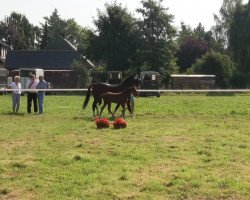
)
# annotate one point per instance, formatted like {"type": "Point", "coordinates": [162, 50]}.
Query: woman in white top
{"type": "Point", "coordinates": [16, 94]}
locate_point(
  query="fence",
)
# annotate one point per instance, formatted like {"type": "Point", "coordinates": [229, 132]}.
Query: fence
{"type": "Point", "coordinates": [162, 91]}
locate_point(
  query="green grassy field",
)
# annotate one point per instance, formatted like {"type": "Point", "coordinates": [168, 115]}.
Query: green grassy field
{"type": "Point", "coordinates": [178, 147]}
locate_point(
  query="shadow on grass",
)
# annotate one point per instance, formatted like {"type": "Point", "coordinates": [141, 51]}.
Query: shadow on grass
{"type": "Point", "coordinates": [13, 114]}
{"type": "Point", "coordinates": [90, 118]}
{"type": "Point", "coordinates": [220, 94]}
{"type": "Point", "coordinates": [83, 117]}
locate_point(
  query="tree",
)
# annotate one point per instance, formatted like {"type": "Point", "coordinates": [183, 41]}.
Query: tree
{"type": "Point", "coordinates": [223, 21]}
{"type": "Point", "coordinates": [55, 25]}
{"type": "Point", "coordinates": [83, 73]}
{"type": "Point", "coordinates": [68, 29]}
{"type": "Point", "coordinates": [78, 36]}
{"type": "Point", "coordinates": [208, 37]}
{"type": "Point", "coordinates": [193, 43]}
{"type": "Point", "coordinates": [190, 50]}
{"type": "Point", "coordinates": [17, 32]}
{"type": "Point", "coordinates": [239, 37]}
{"type": "Point", "coordinates": [157, 36]}
{"type": "Point", "coordinates": [113, 42]}
{"type": "Point", "coordinates": [44, 37]}
{"type": "Point", "coordinates": [216, 64]}
{"type": "Point", "coordinates": [184, 32]}
{"type": "Point", "coordinates": [200, 34]}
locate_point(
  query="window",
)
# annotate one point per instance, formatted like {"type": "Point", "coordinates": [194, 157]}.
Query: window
{"type": "Point", "coordinates": [3, 53]}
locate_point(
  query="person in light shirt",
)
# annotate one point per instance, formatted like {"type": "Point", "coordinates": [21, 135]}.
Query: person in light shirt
{"type": "Point", "coordinates": [32, 94]}
{"type": "Point", "coordinates": [16, 94]}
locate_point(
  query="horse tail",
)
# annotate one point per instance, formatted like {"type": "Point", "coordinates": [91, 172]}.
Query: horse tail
{"type": "Point", "coordinates": [85, 103]}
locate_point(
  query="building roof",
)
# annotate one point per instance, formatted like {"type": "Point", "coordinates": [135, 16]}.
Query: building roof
{"type": "Point", "coordinates": [57, 55]}
{"type": "Point", "coordinates": [192, 75]}
{"type": "Point", "coordinates": [59, 43]}
{"type": "Point", "coordinates": [47, 60]}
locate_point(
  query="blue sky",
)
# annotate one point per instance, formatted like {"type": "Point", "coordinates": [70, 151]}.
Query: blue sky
{"type": "Point", "coordinates": [83, 11]}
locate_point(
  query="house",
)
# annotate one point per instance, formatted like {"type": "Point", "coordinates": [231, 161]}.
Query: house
{"type": "Point", "coordinates": [4, 48]}
{"type": "Point", "coordinates": [56, 60]}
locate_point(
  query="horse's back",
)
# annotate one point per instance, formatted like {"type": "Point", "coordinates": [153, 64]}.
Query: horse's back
{"type": "Point", "coordinates": [109, 97]}
{"type": "Point", "coordinates": [104, 87]}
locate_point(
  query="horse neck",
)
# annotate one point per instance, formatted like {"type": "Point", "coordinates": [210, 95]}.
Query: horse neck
{"type": "Point", "coordinates": [121, 86]}
{"type": "Point", "coordinates": [127, 92]}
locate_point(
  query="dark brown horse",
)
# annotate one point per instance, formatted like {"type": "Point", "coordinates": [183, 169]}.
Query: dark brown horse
{"type": "Point", "coordinates": [100, 88]}
{"type": "Point", "coordinates": [120, 98]}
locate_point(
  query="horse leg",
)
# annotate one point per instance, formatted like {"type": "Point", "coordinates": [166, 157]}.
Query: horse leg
{"type": "Point", "coordinates": [128, 105]}
{"type": "Point", "coordinates": [109, 109]}
{"type": "Point", "coordinates": [104, 105]}
{"type": "Point", "coordinates": [93, 108]}
{"type": "Point", "coordinates": [116, 108]}
{"type": "Point", "coordinates": [129, 108]}
{"type": "Point", "coordinates": [97, 110]}
{"type": "Point", "coordinates": [123, 110]}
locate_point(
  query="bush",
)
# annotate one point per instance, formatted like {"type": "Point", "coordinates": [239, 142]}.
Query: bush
{"type": "Point", "coordinates": [216, 64]}
{"type": "Point", "coordinates": [240, 80]}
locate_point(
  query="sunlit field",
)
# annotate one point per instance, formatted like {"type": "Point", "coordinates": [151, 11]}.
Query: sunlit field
{"type": "Point", "coordinates": [177, 147]}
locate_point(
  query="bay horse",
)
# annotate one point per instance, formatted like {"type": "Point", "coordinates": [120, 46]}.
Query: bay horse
{"type": "Point", "coordinates": [120, 98]}
{"type": "Point", "coordinates": [100, 88]}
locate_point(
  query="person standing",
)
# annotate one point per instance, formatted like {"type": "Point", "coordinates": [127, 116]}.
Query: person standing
{"type": "Point", "coordinates": [32, 94]}
{"type": "Point", "coordinates": [16, 94]}
{"type": "Point", "coordinates": [132, 105]}
{"type": "Point", "coordinates": [42, 84]}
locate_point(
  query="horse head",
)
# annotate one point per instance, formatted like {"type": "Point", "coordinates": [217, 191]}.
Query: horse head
{"type": "Point", "coordinates": [133, 80]}
{"type": "Point", "coordinates": [134, 92]}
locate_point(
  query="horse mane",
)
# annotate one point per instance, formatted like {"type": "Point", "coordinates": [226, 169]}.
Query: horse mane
{"type": "Point", "coordinates": [130, 90]}
{"type": "Point", "coordinates": [129, 79]}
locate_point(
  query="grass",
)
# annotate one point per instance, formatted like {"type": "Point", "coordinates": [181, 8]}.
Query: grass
{"type": "Point", "coordinates": [178, 147]}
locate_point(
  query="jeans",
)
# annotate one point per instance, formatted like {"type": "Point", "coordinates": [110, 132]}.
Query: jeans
{"type": "Point", "coordinates": [40, 101]}
{"type": "Point", "coordinates": [16, 102]}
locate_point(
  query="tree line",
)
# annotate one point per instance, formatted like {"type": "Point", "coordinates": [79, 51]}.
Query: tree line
{"type": "Point", "coordinates": [120, 41]}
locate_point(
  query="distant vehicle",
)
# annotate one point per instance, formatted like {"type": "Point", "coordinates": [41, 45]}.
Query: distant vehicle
{"type": "Point", "coordinates": [24, 74]}
{"type": "Point", "coordinates": [151, 81]}
{"type": "Point", "coordinates": [114, 77]}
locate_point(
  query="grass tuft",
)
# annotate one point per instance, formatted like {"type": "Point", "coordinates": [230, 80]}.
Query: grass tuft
{"type": "Point", "coordinates": [77, 158]}
{"type": "Point", "coordinates": [19, 165]}
{"type": "Point", "coordinates": [4, 191]}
